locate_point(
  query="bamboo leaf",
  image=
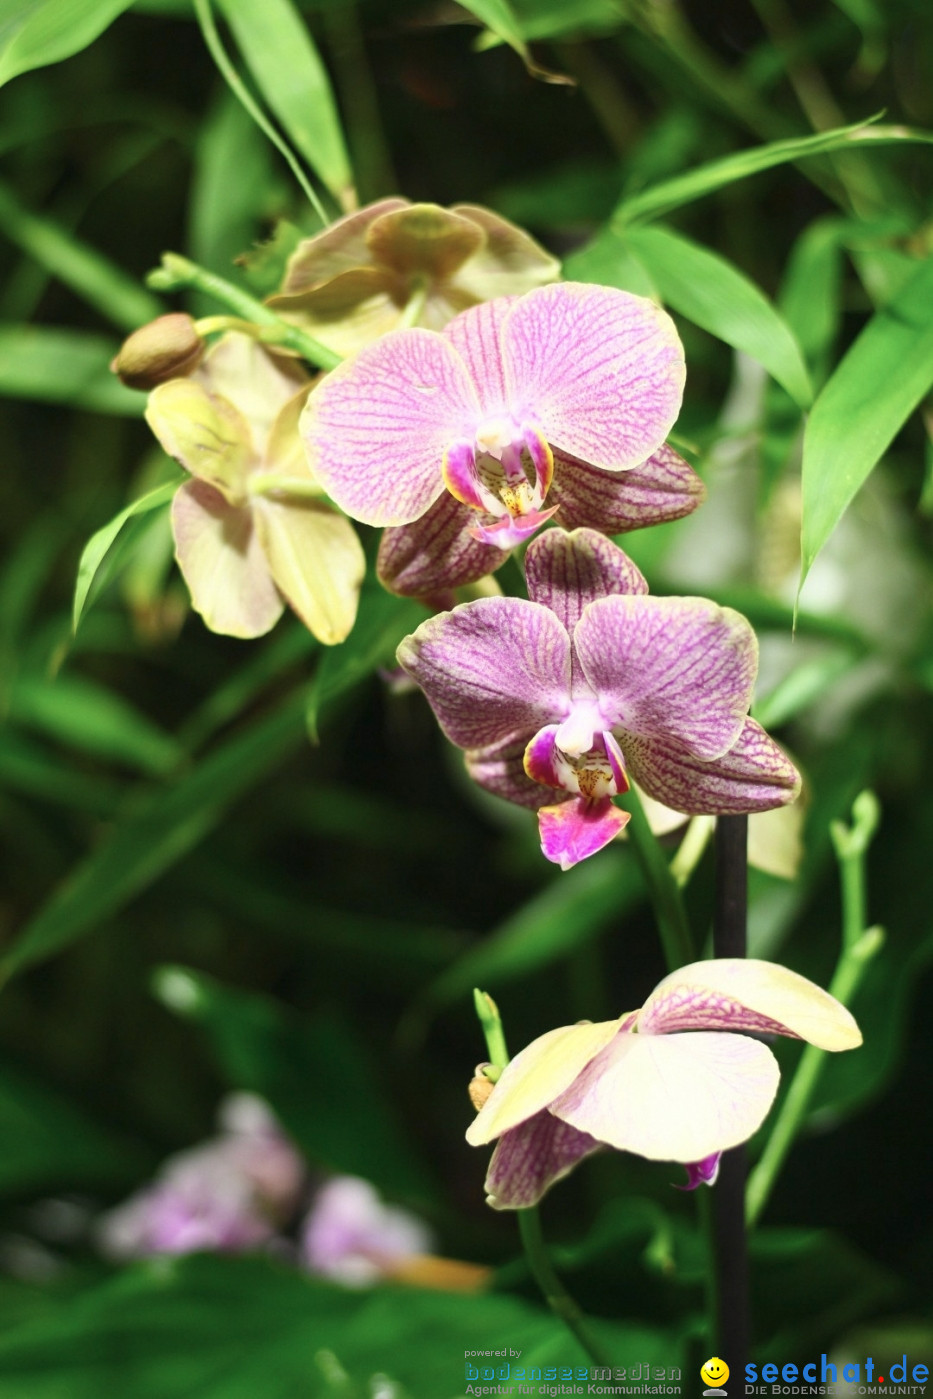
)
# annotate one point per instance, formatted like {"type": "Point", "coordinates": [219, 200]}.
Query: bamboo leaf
{"type": "Point", "coordinates": [864, 404]}
{"type": "Point", "coordinates": [93, 572]}
{"type": "Point", "coordinates": [500, 19]}
{"type": "Point", "coordinates": [34, 33]}
{"type": "Point", "coordinates": [63, 366]}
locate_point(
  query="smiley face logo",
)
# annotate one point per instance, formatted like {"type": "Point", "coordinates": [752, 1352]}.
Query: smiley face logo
{"type": "Point", "coordinates": [715, 1372]}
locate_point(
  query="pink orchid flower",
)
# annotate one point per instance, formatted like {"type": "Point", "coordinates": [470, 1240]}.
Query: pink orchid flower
{"type": "Point", "coordinates": [519, 406]}
{"type": "Point", "coordinates": [679, 1080]}
{"type": "Point", "coordinates": [559, 700]}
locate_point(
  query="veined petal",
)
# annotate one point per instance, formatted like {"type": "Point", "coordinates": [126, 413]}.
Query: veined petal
{"type": "Point", "coordinates": [754, 775]}
{"type": "Point", "coordinates": [744, 993]}
{"type": "Point", "coordinates": [530, 1158]}
{"type": "Point", "coordinates": [435, 552]}
{"type": "Point", "coordinates": [376, 428]}
{"type": "Point", "coordinates": [500, 769]}
{"type": "Point", "coordinates": [223, 564]}
{"type": "Point", "coordinates": [476, 335]}
{"type": "Point", "coordinates": [601, 370]}
{"type": "Point", "coordinates": [673, 1097]}
{"type": "Point", "coordinates": [492, 670]}
{"type": "Point", "coordinates": [514, 529]}
{"type": "Point", "coordinates": [574, 830]}
{"type": "Point", "coordinates": [536, 1076]}
{"type": "Point", "coordinates": [205, 434]}
{"type": "Point", "coordinates": [661, 489]}
{"type": "Point", "coordinates": [566, 571]}
{"type": "Point", "coordinates": [316, 560]}
{"type": "Point", "coordinates": [252, 377]}
{"type": "Point", "coordinates": [669, 668]}
{"type": "Point", "coordinates": [459, 474]}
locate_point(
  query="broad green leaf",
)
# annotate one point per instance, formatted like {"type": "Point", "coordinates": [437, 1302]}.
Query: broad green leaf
{"type": "Point", "coordinates": [100, 282]}
{"type": "Point", "coordinates": [93, 572]}
{"type": "Point", "coordinates": [314, 1070]}
{"type": "Point", "coordinates": [608, 258]}
{"type": "Point", "coordinates": [880, 381]}
{"type": "Point", "coordinates": [50, 1144]}
{"type": "Point", "coordinates": [208, 1327]}
{"type": "Point", "coordinates": [156, 832]}
{"type": "Point", "coordinates": [705, 179]}
{"type": "Point", "coordinates": [84, 715]}
{"type": "Point", "coordinates": [500, 19]}
{"type": "Point", "coordinates": [381, 623]}
{"type": "Point", "coordinates": [282, 57]}
{"type": "Point", "coordinates": [70, 367]}
{"type": "Point", "coordinates": [811, 292]}
{"type": "Point", "coordinates": [34, 33]}
{"type": "Point", "coordinates": [716, 296]}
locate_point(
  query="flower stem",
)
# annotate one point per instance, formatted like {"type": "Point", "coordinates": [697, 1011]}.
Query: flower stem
{"type": "Point", "coordinates": [529, 1224]}
{"type": "Point", "coordinates": [555, 1294]}
{"type": "Point", "coordinates": [729, 1244]}
{"type": "Point", "coordinates": [673, 925]}
{"type": "Point", "coordinates": [859, 946]}
{"type": "Point", "coordinates": [180, 273]}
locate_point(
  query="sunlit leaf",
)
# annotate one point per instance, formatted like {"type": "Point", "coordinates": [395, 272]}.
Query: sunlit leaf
{"type": "Point", "coordinates": [34, 33]}
{"type": "Point", "coordinates": [284, 60]}
{"type": "Point", "coordinates": [880, 381]}
{"type": "Point", "coordinates": [70, 367]}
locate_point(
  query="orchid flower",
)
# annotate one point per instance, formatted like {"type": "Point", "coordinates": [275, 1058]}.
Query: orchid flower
{"type": "Point", "coordinates": [682, 1079]}
{"type": "Point", "coordinates": [351, 1235]}
{"type": "Point", "coordinates": [559, 700]}
{"type": "Point", "coordinates": [353, 282]}
{"type": "Point", "coordinates": [252, 528]}
{"type": "Point", "coordinates": [521, 406]}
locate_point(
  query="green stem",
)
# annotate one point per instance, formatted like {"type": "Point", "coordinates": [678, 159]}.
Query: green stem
{"type": "Point", "coordinates": [859, 946]}
{"type": "Point", "coordinates": [529, 1224]}
{"type": "Point", "coordinates": [239, 89]}
{"type": "Point", "coordinates": [555, 1294]}
{"type": "Point", "coordinates": [673, 925]}
{"type": "Point", "coordinates": [179, 273]}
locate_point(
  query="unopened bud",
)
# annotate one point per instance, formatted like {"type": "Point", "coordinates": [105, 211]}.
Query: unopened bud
{"type": "Point", "coordinates": [167, 348]}
{"type": "Point", "coordinates": [480, 1086]}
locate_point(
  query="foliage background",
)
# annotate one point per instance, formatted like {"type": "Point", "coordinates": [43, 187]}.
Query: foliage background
{"type": "Point", "coordinates": [331, 904]}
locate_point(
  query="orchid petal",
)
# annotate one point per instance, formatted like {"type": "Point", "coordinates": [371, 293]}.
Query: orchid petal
{"type": "Point", "coordinates": [377, 427]}
{"type": "Point", "coordinates": [701, 1172]}
{"type": "Point", "coordinates": [601, 371]}
{"type": "Point", "coordinates": [223, 564]}
{"type": "Point", "coordinates": [574, 830]}
{"type": "Point", "coordinates": [476, 335]}
{"type": "Point", "coordinates": [754, 775]}
{"type": "Point", "coordinates": [531, 1158]}
{"type": "Point", "coordinates": [285, 454]}
{"type": "Point", "coordinates": [316, 560]}
{"type": "Point", "coordinates": [205, 433]}
{"type": "Point", "coordinates": [252, 377]}
{"type": "Point", "coordinates": [492, 671]}
{"type": "Point", "coordinates": [661, 489]}
{"type": "Point", "coordinates": [542, 1071]}
{"type": "Point", "coordinates": [505, 534]}
{"type": "Point", "coordinates": [459, 474]}
{"type": "Point", "coordinates": [743, 993]}
{"type": "Point", "coordinates": [566, 571]}
{"type": "Point", "coordinates": [337, 249]}
{"type": "Point", "coordinates": [672, 1097]}
{"type": "Point", "coordinates": [436, 552]}
{"type": "Point", "coordinates": [670, 668]}
{"type": "Point", "coordinates": [500, 769]}
{"type": "Point", "coordinates": [352, 310]}
{"type": "Point", "coordinates": [540, 762]}
{"type": "Point", "coordinates": [509, 261]}
{"type": "Point", "coordinates": [423, 239]}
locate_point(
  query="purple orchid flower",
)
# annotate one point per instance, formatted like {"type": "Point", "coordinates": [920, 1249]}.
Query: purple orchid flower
{"type": "Point", "coordinates": [671, 1082]}
{"type": "Point", "coordinates": [519, 407]}
{"type": "Point", "coordinates": [558, 701]}
{"type": "Point", "coordinates": [351, 1235]}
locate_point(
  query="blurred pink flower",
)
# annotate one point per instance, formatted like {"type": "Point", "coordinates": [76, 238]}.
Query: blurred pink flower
{"type": "Point", "coordinates": [352, 1237]}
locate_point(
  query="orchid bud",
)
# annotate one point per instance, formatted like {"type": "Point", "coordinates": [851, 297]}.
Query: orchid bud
{"type": "Point", "coordinates": [167, 348]}
{"type": "Point", "coordinates": [480, 1087]}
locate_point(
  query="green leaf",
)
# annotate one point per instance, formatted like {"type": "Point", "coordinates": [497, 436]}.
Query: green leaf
{"type": "Point", "coordinates": [51, 1144]}
{"type": "Point", "coordinates": [63, 366]}
{"type": "Point", "coordinates": [811, 292]}
{"type": "Point", "coordinates": [34, 33]}
{"type": "Point", "coordinates": [716, 296]}
{"type": "Point", "coordinates": [93, 571]}
{"type": "Point", "coordinates": [608, 259]}
{"type": "Point", "coordinates": [283, 59]}
{"type": "Point", "coordinates": [27, 767]}
{"type": "Point", "coordinates": [83, 714]}
{"type": "Point", "coordinates": [500, 19]}
{"type": "Point", "coordinates": [383, 620]}
{"type": "Point", "coordinates": [100, 282]}
{"type": "Point", "coordinates": [705, 179]}
{"type": "Point", "coordinates": [880, 381]}
{"type": "Point", "coordinates": [160, 828]}
{"type": "Point", "coordinates": [252, 1328]}
{"type": "Point", "coordinates": [309, 1069]}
